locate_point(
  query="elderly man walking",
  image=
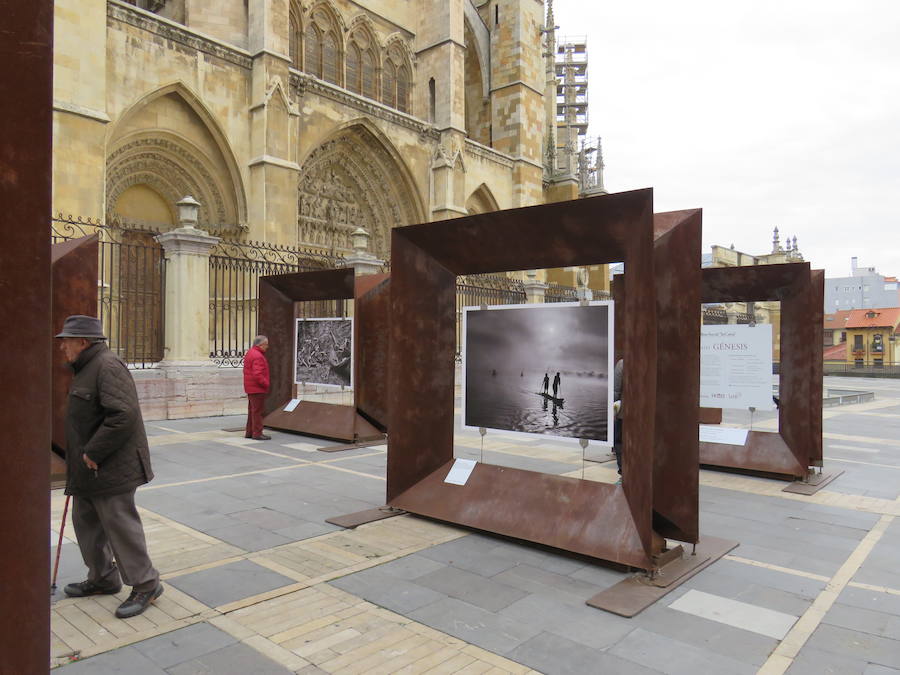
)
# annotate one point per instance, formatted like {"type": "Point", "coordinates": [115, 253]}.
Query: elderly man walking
{"type": "Point", "coordinates": [107, 458]}
{"type": "Point", "coordinates": [256, 385]}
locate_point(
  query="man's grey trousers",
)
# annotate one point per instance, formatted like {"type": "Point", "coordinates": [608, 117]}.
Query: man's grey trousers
{"type": "Point", "coordinates": [108, 528]}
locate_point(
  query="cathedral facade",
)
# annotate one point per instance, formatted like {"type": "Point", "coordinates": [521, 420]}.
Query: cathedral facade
{"type": "Point", "coordinates": [293, 122]}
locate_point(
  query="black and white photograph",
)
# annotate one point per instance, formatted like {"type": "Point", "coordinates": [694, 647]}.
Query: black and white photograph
{"type": "Point", "coordinates": [539, 369]}
{"type": "Point", "coordinates": [323, 351]}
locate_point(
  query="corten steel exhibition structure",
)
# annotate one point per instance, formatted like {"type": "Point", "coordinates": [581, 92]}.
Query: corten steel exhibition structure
{"type": "Point", "coordinates": [797, 445]}
{"type": "Point", "coordinates": [279, 296]}
{"type": "Point", "coordinates": [620, 523]}
{"type": "Point", "coordinates": [74, 283]}
{"type": "Point", "coordinates": [26, 123]}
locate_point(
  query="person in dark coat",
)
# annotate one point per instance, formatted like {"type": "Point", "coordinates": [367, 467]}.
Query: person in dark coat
{"type": "Point", "coordinates": [545, 384]}
{"type": "Point", "coordinates": [555, 385]}
{"type": "Point", "coordinates": [107, 458]}
{"type": "Point", "coordinates": [256, 386]}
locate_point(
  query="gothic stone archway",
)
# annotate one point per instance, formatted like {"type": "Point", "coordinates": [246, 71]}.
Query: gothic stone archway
{"type": "Point", "coordinates": [353, 180]}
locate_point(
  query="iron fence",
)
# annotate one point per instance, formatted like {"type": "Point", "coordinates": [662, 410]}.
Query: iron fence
{"type": "Point", "coordinates": [234, 272]}
{"type": "Point", "coordinates": [131, 285]}
{"type": "Point", "coordinates": [872, 370]}
{"type": "Point", "coordinates": [714, 316]}
{"type": "Point", "coordinates": [559, 293]}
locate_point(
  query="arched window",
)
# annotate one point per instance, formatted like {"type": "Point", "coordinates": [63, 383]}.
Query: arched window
{"type": "Point", "coordinates": [368, 74]}
{"type": "Point", "coordinates": [294, 37]}
{"type": "Point", "coordinates": [331, 59]}
{"type": "Point", "coordinates": [354, 69]}
{"type": "Point", "coordinates": [403, 89]}
{"type": "Point", "coordinates": [313, 51]}
{"type": "Point", "coordinates": [396, 82]}
{"type": "Point", "coordinates": [432, 100]}
{"type": "Point", "coordinates": [389, 84]}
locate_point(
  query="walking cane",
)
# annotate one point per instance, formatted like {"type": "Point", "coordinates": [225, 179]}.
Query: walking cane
{"type": "Point", "coordinates": [59, 545]}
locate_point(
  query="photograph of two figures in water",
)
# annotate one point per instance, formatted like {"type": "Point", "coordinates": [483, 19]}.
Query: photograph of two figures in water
{"type": "Point", "coordinates": [539, 369]}
{"type": "Point", "coordinates": [324, 352]}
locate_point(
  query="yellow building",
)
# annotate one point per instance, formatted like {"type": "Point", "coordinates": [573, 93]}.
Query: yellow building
{"type": "Point", "coordinates": [872, 337]}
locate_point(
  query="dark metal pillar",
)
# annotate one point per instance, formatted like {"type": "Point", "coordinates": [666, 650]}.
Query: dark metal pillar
{"type": "Point", "coordinates": [26, 70]}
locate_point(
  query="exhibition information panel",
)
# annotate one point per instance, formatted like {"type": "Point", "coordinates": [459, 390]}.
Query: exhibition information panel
{"type": "Point", "coordinates": [736, 367]}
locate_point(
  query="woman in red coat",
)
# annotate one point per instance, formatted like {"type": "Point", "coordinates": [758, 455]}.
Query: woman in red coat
{"type": "Point", "coordinates": [256, 385]}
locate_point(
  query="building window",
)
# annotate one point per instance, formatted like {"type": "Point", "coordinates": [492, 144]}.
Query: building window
{"type": "Point", "coordinates": [432, 100]}
{"type": "Point", "coordinates": [858, 342]}
{"type": "Point", "coordinates": [396, 80]}
{"type": "Point", "coordinates": [354, 69]}
{"type": "Point", "coordinates": [368, 74]}
{"type": "Point", "coordinates": [403, 90]}
{"type": "Point", "coordinates": [389, 85]}
{"type": "Point", "coordinates": [294, 38]}
{"type": "Point", "coordinates": [330, 59]}
{"type": "Point", "coordinates": [858, 363]}
{"type": "Point", "coordinates": [313, 52]}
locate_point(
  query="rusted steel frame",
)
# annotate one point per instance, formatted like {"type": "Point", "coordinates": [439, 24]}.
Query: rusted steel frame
{"type": "Point", "coordinates": [427, 259]}
{"type": "Point", "coordinates": [277, 297]}
{"type": "Point", "coordinates": [675, 466]}
{"type": "Point", "coordinates": [372, 313]}
{"type": "Point", "coordinates": [74, 285]}
{"type": "Point", "coordinates": [816, 347]}
{"type": "Point", "coordinates": [26, 64]}
{"type": "Point", "coordinates": [800, 292]}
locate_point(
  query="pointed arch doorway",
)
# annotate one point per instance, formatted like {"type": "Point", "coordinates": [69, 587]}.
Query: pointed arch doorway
{"type": "Point", "coordinates": [355, 179]}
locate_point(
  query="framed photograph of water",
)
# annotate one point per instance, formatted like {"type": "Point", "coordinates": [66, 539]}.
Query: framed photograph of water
{"type": "Point", "coordinates": [323, 352]}
{"type": "Point", "coordinates": [540, 369]}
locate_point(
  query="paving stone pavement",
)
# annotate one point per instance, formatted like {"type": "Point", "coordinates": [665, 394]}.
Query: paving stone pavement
{"type": "Point", "coordinates": [257, 582]}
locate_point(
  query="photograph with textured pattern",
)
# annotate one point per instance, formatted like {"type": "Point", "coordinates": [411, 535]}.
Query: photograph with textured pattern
{"type": "Point", "coordinates": [323, 352]}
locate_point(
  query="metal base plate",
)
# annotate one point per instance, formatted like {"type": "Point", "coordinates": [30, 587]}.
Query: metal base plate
{"type": "Point", "coordinates": [326, 420]}
{"type": "Point", "coordinates": [633, 595]}
{"type": "Point", "coordinates": [763, 453]}
{"type": "Point", "coordinates": [352, 520]}
{"type": "Point", "coordinates": [354, 446]}
{"type": "Point", "coordinates": [815, 483]}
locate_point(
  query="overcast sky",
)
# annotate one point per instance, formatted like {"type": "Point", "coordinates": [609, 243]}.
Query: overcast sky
{"type": "Point", "coordinates": [762, 113]}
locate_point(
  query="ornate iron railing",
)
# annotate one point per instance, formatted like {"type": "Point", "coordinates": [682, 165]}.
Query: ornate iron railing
{"type": "Point", "coordinates": [714, 316]}
{"type": "Point", "coordinates": [558, 293]}
{"type": "Point", "coordinates": [234, 271]}
{"type": "Point", "coordinates": [130, 287]}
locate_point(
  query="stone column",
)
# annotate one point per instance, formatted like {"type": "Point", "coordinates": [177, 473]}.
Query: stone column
{"type": "Point", "coordinates": [361, 260]}
{"type": "Point", "coordinates": [187, 288]}
{"type": "Point", "coordinates": [535, 290]}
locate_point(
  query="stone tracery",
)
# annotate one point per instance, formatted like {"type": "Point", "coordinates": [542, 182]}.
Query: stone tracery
{"type": "Point", "coordinates": [173, 171]}
{"type": "Point", "coordinates": [352, 181]}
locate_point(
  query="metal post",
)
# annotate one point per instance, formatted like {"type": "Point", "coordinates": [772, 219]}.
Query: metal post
{"type": "Point", "coordinates": [26, 68]}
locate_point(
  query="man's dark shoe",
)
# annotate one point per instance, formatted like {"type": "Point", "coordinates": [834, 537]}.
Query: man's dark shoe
{"type": "Point", "coordinates": [84, 588]}
{"type": "Point", "coordinates": [137, 602]}
{"type": "Point", "coordinates": [262, 437]}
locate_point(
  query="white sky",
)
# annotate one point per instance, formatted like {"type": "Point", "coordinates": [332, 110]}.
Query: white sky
{"type": "Point", "coordinates": [762, 113]}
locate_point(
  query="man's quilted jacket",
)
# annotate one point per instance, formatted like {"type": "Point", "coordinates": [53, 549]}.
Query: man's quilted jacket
{"type": "Point", "coordinates": [103, 421]}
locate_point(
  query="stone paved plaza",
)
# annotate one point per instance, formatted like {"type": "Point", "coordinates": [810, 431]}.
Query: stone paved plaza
{"type": "Point", "coordinates": [257, 582]}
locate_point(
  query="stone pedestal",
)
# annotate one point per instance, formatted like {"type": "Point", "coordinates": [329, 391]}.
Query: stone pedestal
{"type": "Point", "coordinates": [534, 290]}
{"type": "Point", "coordinates": [187, 295]}
{"type": "Point", "coordinates": [361, 260]}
